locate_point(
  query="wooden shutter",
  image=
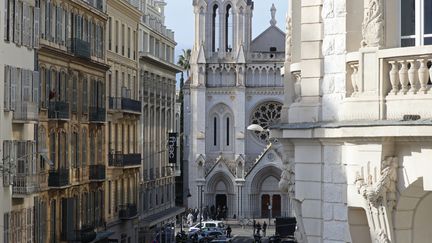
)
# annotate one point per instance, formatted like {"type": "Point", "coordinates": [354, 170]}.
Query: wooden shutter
{"type": "Point", "coordinates": [36, 27]}
{"type": "Point", "coordinates": [16, 23]}
{"type": "Point", "coordinates": [36, 85]}
{"type": "Point", "coordinates": [6, 21]}
{"type": "Point", "coordinates": [47, 86]}
{"type": "Point", "coordinates": [66, 25]}
{"type": "Point", "coordinates": [85, 96]}
{"type": "Point", "coordinates": [26, 86]}
{"type": "Point", "coordinates": [7, 87]}
{"type": "Point", "coordinates": [14, 81]}
{"type": "Point", "coordinates": [11, 19]}
{"type": "Point", "coordinates": [74, 94]}
{"type": "Point", "coordinates": [24, 23]}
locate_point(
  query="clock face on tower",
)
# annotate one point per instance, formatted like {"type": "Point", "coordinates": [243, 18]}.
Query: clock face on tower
{"type": "Point", "coordinates": [265, 115]}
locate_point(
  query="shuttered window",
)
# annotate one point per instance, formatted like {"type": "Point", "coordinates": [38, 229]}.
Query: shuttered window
{"type": "Point", "coordinates": [7, 82]}
{"type": "Point", "coordinates": [84, 148]}
{"type": "Point", "coordinates": [36, 27]}
{"type": "Point", "coordinates": [36, 85]}
{"type": "Point", "coordinates": [74, 94]}
{"type": "Point", "coordinates": [85, 96]}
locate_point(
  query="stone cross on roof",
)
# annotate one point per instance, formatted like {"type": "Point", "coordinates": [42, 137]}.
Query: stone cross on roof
{"type": "Point", "coordinates": [273, 14]}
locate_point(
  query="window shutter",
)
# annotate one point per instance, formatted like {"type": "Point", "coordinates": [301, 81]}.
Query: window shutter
{"type": "Point", "coordinates": [66, 87]}
{"type": "Point", "coordinates": [36, 85]}
{"type": "Point", "coordinates": [66, 25]}
{"type": "Point", "coordinates": [85, 96]}
{"type": "Point", "coordinates": [6, 22]}
{"type": "Point", "coordinates": [74, 94]}
{"type": "Point", "coordinates": [7, 88]}
{"type": "Point", "coordinates": [11, 20]}
{"type": "Point", "coordinates": [36, 28]}
{"type": "Point", "coordinates": [26, 86]}
{"type": "Point", "coordinates": [14, 81]}
{"type": "Point", "coordinates": [47, 86]}
{"type": "Point", "coordinates": [16, 22]}
{"type": "Point", "coordinates": [24, 24]}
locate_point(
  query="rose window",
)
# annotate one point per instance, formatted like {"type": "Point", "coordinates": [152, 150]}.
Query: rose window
{"type": "Point", "coordinates": [266, 115]}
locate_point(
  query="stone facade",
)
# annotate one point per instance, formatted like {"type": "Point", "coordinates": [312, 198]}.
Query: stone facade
{"type": "Point", "coordinates": [235, 81]}
{"type": "Point", "coordinates": [357, 139]}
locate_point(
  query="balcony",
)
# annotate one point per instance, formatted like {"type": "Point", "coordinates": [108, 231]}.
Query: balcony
{"type": "Point", "coordinates": [128, 211]}
{"type": "Point", "coordinates": [97, 172]}
{"type": "Point", "coordinates": [58, 178]}
{"type": "Point", "coordinates": [97, 115]}
{"type": "Point", "coordinates": [125, 104]}
{"type": "Point", "coordinates": [79, 48]}
{"type": "Point", "coordinates": [124, 160]}
{"type": "Point", "coordinates": [24, 184]}
{"type": "Point", "coordinates": [388, 84]}
{"type": "Point", "coordinates": [26, 111]}
{"type": "Point", "coordinates": [58, 110]}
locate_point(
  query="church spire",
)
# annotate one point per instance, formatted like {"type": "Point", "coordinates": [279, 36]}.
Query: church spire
{"type": "Point", "coordinates": [273, 14]}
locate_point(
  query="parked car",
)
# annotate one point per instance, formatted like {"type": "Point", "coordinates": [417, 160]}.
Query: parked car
{"type": "Point", "coordinates": [207, 224]}
{"type": "Point", "coordinates": [209, 235]}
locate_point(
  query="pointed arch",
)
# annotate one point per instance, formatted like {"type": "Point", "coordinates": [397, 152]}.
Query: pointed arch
{"type": "Point", "coordinates": [215, 28]}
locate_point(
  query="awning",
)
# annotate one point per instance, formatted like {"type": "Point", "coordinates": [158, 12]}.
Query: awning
{"type": "Point", "coordinates": [159, 217]}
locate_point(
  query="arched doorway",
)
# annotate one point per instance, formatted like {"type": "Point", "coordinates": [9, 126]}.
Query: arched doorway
{"type": "Point", "coordinates": [271, 198]}
{"type": "Point", "coordinates": [220, 194]}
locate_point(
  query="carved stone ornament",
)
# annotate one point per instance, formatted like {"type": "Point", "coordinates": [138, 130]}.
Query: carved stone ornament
{"type": "Point", "coordinates": [288, 39]}
{"type": "Point", "coordinates": [382, 237]}
{"type": "Point", "coordinates": [385, 185]}
{"type": "Point", "coordinates": [373, 25]}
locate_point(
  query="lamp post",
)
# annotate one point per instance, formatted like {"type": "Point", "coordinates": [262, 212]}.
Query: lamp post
{"type": "Point", "coordinates": [200, 187]}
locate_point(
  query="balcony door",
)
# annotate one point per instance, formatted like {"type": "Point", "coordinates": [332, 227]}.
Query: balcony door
{"type": "Point", "coordinates": [416, 22]}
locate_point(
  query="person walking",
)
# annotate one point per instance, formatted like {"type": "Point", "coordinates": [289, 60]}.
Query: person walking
{"type": "Point", "coordinates": [258, 228]}
{"type": "Point", "coordinates": [264, 228]}
{"type": "Point", "coordinates": [228, 230]}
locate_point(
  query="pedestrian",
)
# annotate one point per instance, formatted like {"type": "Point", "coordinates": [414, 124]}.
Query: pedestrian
{"type": "Point", "coordinates": [258, 228]}
{"type": "Point", "coordinates": [228, 230]}
{"type": "Point", "coordinates": [254, 225]}
{"type": "Point", "coordinates": [264, 228]}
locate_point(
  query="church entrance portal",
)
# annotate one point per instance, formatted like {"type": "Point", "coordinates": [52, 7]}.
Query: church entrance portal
{"type": "Point", "coordinates": [221, 202]}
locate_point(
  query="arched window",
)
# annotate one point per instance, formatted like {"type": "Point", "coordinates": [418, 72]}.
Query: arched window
{"type": "Point", "coordinates": [215, 132]}
{"type": "Point", "coordinates": [227, 138]}
{"type": "Point", "coordinates": [416, 22]}
{"type": "Point", "coordinates": [228, 29]}
{"type": "Point", "coordinates": [215, 28]}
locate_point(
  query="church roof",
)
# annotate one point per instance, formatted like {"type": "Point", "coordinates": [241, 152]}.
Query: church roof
{"type": "Point", "coordinates": [271, 37]}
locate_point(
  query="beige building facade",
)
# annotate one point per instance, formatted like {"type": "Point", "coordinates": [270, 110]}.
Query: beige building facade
{"type": "Point", "coordinates": [158, 96]}
{"type": "Point", "coordinates": [123, 177]}
{"type": "Point", "coordinates": [356, 126]}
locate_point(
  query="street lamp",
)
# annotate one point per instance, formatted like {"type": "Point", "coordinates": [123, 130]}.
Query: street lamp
{"type": "Point", "coordinates": [200, 187]}
{"type": "Point", "coordinates": [256, 128]}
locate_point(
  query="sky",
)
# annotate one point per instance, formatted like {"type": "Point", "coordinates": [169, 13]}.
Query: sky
{"type": "Point", "coordinates": [179, 17]}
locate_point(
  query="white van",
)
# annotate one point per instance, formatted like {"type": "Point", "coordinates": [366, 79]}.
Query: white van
{"type": "Point", "coordinates": [207, 224]}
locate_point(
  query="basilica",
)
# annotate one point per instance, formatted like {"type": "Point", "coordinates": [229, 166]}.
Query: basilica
{"type": "Point", "coordinates": [235, 82]}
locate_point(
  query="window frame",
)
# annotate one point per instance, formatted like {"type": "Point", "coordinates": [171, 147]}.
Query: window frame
{"type": "Point", "coordinates": [419, 31]}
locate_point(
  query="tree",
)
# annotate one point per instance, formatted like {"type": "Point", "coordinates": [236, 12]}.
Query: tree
{"type": "Point", "coordinates": [184, 60]}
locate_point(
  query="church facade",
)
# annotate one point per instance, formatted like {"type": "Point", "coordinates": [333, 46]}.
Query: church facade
{"type": "Point", "coordinates": [235, 81]}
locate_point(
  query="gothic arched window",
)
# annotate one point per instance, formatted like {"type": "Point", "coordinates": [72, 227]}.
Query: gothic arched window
{"type": "Point", "coordinates": [228, 29]}
{"type": "Point", "coordinates": [215, 28]}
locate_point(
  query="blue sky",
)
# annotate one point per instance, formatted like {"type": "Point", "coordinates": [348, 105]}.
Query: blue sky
{"type": "Point", "coordinates": [180, 18]}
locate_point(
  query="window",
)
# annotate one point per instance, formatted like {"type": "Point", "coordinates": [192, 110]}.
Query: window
{"type": "Point", "coordinates": [85, 96]}
{"type": "Point", "coordinates": [227, 131]}
{"type": "Point", "coordinates": [215, 29]}
{"type": "Point", "coordinates": [74, 150]}
{"type": "Point", "coordinates": [416, 22]}
{"type": "Point", "coordinates": [84, 148]}
{"type": "Point", "coordinates": [128, 42]}
{"type": "Point", "coordinates": [229, 29]}
{"type": "Point", "coordinates": [215, 131]}
{"type": "Point", "coordinates": [109, 32]}
{"type": "Point", "coordinates": [74, 94]}
{"type": "Point", "coordinates": [123, 39]}
{"type": "Point", "coordinates": [116, 35]}
{"type": "Point", "coordinates": [53, 147]}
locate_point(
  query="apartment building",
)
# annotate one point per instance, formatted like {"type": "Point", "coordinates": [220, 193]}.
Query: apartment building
{"type": "Point", "coordinates": [72, 116]}
{"type": "Point", "coordinates": [123, 174]}
{"type": "Point", "coordinates": [19, 81]}
{"type": "Point", "coordinates": [158, 96]}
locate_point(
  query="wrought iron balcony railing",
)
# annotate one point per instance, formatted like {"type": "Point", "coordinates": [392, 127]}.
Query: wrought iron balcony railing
{"type": "Point", "coordinates": [97, 114]}
{"type": "Point", "coordinates": [58, 178]}
{"type": "Point", "coordinates": [79, 48]}
{"type": "Point", "coordinates": [123, 160]}
{"type": "Point", "coordinates": [97, 172]}
{"type": "Point", "coordinates": [125, 104]}
{"type": "Point", "coordinates": [128, 211]}
{"type": "Point", "coordinates": [58, 110]}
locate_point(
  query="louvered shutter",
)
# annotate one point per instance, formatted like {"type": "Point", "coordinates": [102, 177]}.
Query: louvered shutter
{"type": "Point", "coordinates": [47, 87]}
{"type": "Point", "coordinates": [26, 86]}
{"type": "Point", "coordinates": [7, 88]}
{"type": "Point", "coordinates": [36, 27]}
{"type": "Point", "coordinates": [36, 85]}
{"type": "Point", "coordinates": [58, 24]}
{"type": "Point", "coordinates": [20, 22]}
{"type": "Point", "coordinates": [11, 19]}
{"type": "Point", "coordinates": [66, 87]}
{"type": "Point", "coordinates": [16, 23]}
{"type": "Point", "coordinates": [24, 24]}
{"type": "Point", "coordinates": [6, 21]}
{"type": "Point", "coordinates": [14, 79]}
{"type": "Point", "coordinates": [74, 94]}
{"type": "Point", "coordinates": [85, 96]}
{"type": "Point", "coordinates": [66, 30]}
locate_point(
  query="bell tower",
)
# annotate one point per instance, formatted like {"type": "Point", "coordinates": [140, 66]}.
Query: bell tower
{"type": "Point", "coordinates": [223, 25]}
